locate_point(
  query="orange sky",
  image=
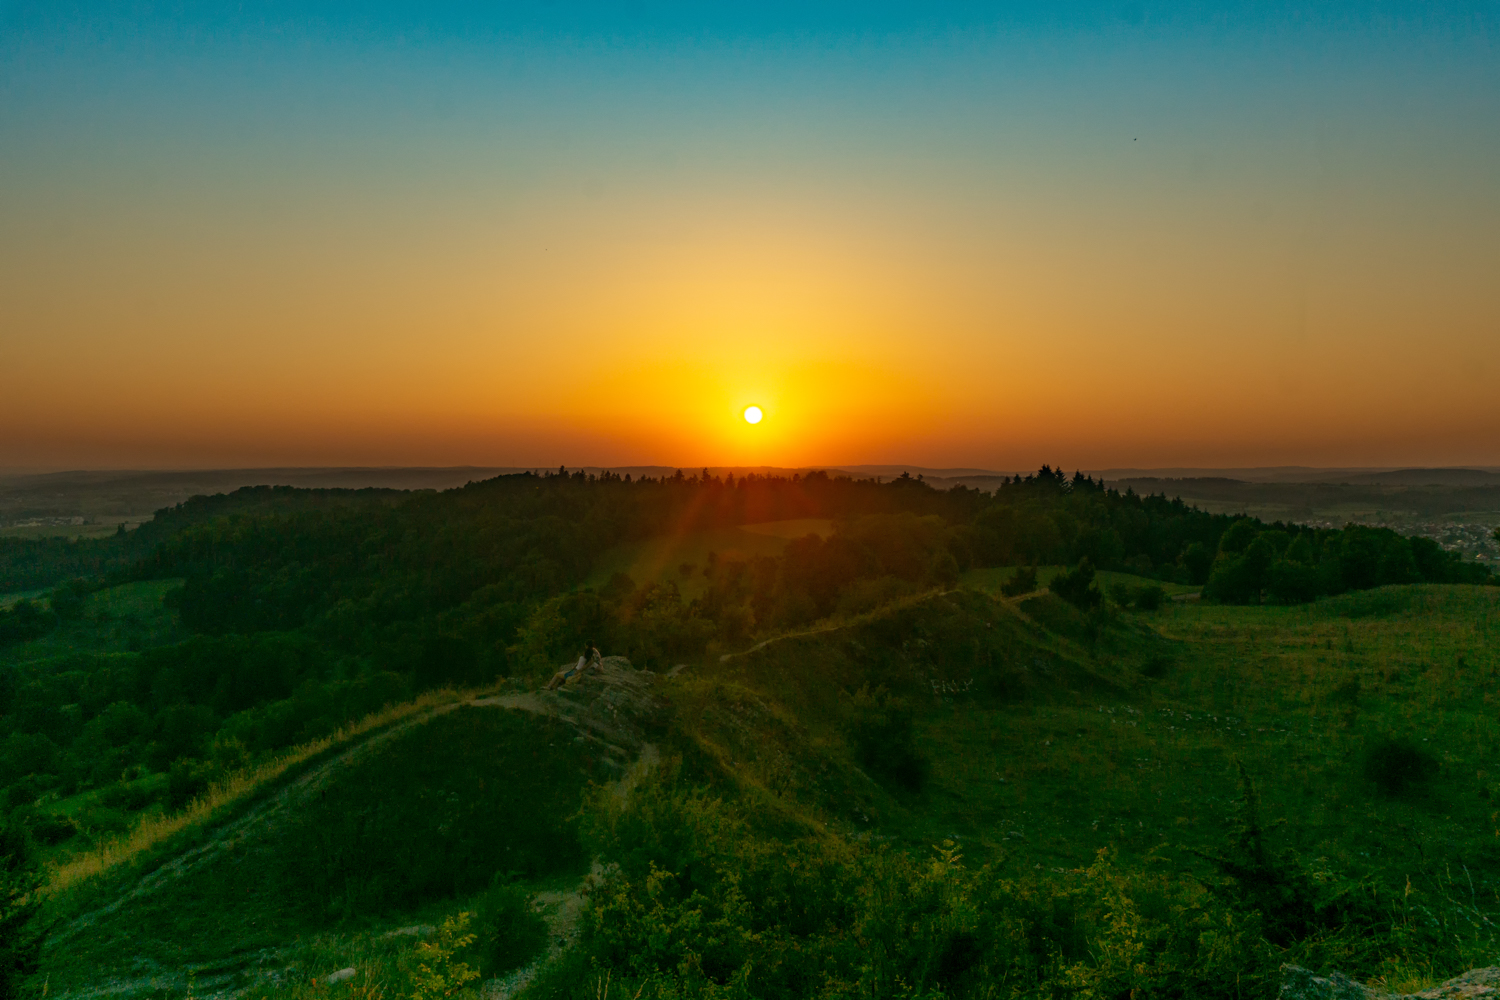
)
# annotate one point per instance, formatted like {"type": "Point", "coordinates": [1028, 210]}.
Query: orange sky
{"type": "Point", "coordinates": [1137, 263]}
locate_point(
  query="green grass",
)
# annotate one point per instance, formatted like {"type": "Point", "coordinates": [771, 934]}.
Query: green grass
{"type": "Point", "coordinates": [660, 559]}
{"type": "Point", "coordinates": [1130, 735]}
{"type": "Point", "coordinates": [129, 617]}
{"type": "Point", "coordinates": [429, 818]}
{"type": "Point", "coordinates": [1048, 734]}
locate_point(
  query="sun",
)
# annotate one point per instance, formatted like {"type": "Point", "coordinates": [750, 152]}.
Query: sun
{"type": "Point", "coordinates": [753, 415]}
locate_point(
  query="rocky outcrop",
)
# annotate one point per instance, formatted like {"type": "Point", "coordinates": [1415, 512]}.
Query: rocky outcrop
{"type": "Point", "coordinates": [1300, 984]}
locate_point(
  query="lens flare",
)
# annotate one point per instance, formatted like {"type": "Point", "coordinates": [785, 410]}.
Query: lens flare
{"type": "Point", "coordinates": [753, 414]}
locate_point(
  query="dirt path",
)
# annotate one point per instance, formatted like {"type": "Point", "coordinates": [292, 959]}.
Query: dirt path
{"type": "Point", "coordinates": [605, 708]}
{"type": "Point", "coordinates": [259, 818]}
{"type": "Point", "coordinates": [562, 910]}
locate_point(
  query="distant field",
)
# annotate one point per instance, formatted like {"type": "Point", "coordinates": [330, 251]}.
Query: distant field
{"type": "Point", "coordinates": [660, 560]}
{"type": "Point", "coordinates": [99, 529]}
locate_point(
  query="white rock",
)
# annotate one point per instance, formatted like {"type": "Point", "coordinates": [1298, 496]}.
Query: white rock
{"type": "Point", "coordinates": [341, 975]}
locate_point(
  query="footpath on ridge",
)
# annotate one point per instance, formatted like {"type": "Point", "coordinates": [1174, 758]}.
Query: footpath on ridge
{"type": "Point", "coordinates": [611, 708]}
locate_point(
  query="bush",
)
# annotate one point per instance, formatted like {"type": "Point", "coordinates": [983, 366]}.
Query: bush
{"type": "Point", "coordinates": [1156, 667]}
{"type": "Point", "coordinates": [102, 819]}
{"type": "Point", "coordinates": [1150, 597]}
{"type": "Point", "coordinates": [20, 937]}
{"type": "Point", "coordinates": [130, 795]}
{"type": "Point", "coordinates": [187, 780]}
{"type": "Point", "coordinates": [1022, 581]}
{"type": "Point", "coordinates": [508, 932]}
{"type": "Point", "coordinates": [1076, 586]}
{"type": "Point", "coordinates": [703, 905]}
{"type": "Point", "coordinates": [67, 601]}
{"type": "Point", "coordinates": [50, 829]}
{"type": "Point", "coordinates": [1143, 597]}
{"type": "Point", "coordinates": [1398, 765]}
{"type": "Point", "coordinates": [869, 594]}
{"type": "Point", "coordinates": [23, 622]}
{"type": "Point", "coordinates": [884, 737]}
{"type": "Point", "coordinates": [438, 976]}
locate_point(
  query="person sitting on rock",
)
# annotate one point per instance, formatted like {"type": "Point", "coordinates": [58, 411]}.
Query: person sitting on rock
{"type": "Point", "coordinates": [567, 673]}
{"type": "Point", "coordinates": [596, 662]}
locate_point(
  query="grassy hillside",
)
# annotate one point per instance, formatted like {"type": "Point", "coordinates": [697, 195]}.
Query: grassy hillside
{"type": "Point", "coordinates": [1025, 734]}
{"type": "Point", "coordinates": [433, 814]}
{"type": "Point", "coordinates": [1047, 736]}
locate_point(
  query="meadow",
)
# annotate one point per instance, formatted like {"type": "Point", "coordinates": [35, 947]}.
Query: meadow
{"type": "Point", "coordinates": [1039, 747]}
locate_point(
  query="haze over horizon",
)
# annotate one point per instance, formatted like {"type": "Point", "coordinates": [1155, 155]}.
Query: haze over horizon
{"type": "Point", "coordinates": [431, 235]}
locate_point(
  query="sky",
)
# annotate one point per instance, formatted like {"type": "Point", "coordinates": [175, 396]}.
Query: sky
{"type": "Point", "coordinates": [542, 233]}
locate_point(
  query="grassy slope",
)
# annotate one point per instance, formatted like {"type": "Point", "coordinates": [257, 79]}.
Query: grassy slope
{"type": "Point", "coordinates": [433, 815]}
{"type": "Point", "coordinates": [1048, 735]}
{"type": "Point", "coordinates": [1091, 751]}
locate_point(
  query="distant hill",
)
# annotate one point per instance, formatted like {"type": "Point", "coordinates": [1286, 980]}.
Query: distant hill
{"type": "Point", "coordinates": [1428, 477]}
{"type": "Point", "coordinates": [1308, 474]}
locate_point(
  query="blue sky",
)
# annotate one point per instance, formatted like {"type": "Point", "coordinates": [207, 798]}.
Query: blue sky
{"type": "Point", "coordinates": [1117, 192]}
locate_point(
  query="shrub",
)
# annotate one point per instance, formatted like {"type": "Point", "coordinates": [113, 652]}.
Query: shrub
{"type": "Point", "coordinates": [20, 937]}
{"type": "Point", "coordinates": [102, 819]}
{"type": "Point", "coordinates": [187, 780]}
{"type": "Point", "coordinates": [1145, 597]}
{"type": "Point", "coordinates": [703, 905]}
{"type": "Point", "coordinates": [49, 829]}
{"type": "Point", "coordinates": [885, 740]}
{"type": "Point", "coordinates": [869, 594]}
{"type": "Point", "coordinates": [130, 795]}
{"type": "Point", "coordinates": [438, 975]}
{"type": "Point", "coordinates": [1150, 597]}
{"type": "Point", "coordinates": [1156, 667]}
{"type": "Point", "coordinates": [1397, 765]}
{"type": "Point", "coordinates": [1076, 586]}
{"type": "Point", "coordinates": [1347, 693]}
{"type": "Point", "coordinates": [508, 933]}
{"type": "Point", "coordinates": [1022, 581]}
{"type": "Point", "coordinates": [23, 622]}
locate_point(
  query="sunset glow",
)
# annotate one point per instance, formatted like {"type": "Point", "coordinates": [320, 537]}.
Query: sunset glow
{"type": "Point", "coordinates": [977, 239]}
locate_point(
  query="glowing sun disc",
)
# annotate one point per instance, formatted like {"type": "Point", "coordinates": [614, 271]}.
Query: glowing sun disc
{"type": "Point", "coordinates": [753, 414]}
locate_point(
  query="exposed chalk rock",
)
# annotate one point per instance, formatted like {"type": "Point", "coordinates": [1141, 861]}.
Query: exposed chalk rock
{"type": "Point", "coordinates": [1301, 984]}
